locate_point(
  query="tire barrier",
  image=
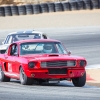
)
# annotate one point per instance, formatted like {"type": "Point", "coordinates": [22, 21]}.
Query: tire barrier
{"type": "Point", "coordinates": [22, 10]}
{"type": "Point", "coordinates": [99, 4]}
{"type": "Point", "coordinates": [58, 6]}
{"type": "Point", "coordinates": [14, 10]}
{"type": "Point", "coordinates": [29, 9]}
{"type": "Point", "coordinates": [36, 9]}
{"type": "Point", "coordinates": [44, 7]}
{"type": "Point", "coordinates": [7, 10]}
{"type": "Point", "coordinates": [66, 6]}
{"type": "Point", "coordinates": [2, 12]}
{"type": "Point", "coordinates": [80, 5]}
{"type": "Point", "coordinates": [87, 4]}
{"type": "Point", "coordinates": [73, 5]}
{"type": "Point", "coordinates": [95, 4]}
{"type": "Point", "coordinates": [49, 7]}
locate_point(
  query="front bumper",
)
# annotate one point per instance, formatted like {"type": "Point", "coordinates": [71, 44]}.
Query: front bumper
{"type": "Point", "coordinates": [45, 74]}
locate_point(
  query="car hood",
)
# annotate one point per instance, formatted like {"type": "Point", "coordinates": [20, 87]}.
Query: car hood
{"type": "Point", "coordinates": [51, 57]}
{"type": "Point", "coordinates": [4, 47]}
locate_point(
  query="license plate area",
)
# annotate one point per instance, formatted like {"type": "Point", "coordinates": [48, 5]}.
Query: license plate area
{"type": "Point", "coordinates": [57, 71]}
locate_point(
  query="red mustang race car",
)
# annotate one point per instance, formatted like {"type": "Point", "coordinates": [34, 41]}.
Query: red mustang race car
{"type": "Point", "coordinates": [41, 60]}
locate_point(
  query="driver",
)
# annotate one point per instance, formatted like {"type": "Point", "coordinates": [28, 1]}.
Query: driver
{"type": "Point", "coordinates": [47, 48]}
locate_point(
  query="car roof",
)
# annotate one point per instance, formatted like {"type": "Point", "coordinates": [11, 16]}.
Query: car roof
{"type": "Point", "coordinates": [25, 32]}
{"type": "Point", "coordinates": [37, 40]}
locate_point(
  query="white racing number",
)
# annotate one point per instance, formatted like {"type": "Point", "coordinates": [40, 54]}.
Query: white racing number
{"type": "Point", "coordinates": [9, 67]}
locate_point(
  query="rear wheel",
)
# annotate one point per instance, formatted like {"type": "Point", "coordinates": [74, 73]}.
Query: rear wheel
{"type": "Point", "coordinates": [24, 79]}
{"type": "Point", "coordinates": [80, 81]}
{"type": "Point", "coordinates": [3, 78]}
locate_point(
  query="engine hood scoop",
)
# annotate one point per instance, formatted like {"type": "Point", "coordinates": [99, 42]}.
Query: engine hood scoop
{"type": "Point", "coordinates": [53, 55]}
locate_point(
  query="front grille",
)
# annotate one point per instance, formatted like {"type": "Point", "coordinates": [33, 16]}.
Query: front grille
{"type": "Point", "coordinates": [57, 63]}
{"type": "Point", "coordinates": [57, 71]}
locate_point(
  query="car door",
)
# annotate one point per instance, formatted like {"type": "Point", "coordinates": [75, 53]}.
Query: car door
{"type": "Point", "coordinates": [10, 61]}
{"type": "Point", "coordinates": [15, 58]}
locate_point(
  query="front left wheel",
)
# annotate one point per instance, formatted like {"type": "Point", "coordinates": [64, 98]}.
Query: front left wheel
{"type": "Point", "coordinates": [3, 78]}
{"type": "Point", "coordinates": [24, 79]}
{"type": "Point", "coordinates": [80, 81]}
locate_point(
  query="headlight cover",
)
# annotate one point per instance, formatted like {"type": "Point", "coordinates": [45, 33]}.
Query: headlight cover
{"type": "Point", "coordinates": [82, 63]}
{"type": "Point", "coordinates": [71, 63]}
{"type": "Point", "coordinates": [31, 64]}
{"type": "Point", "coordinates": [44, 64]}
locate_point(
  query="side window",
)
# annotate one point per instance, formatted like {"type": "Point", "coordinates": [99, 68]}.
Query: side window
{"type": "Point", "coordinates": [9, 40]}
{"type": "Point", "coordinates": [14, 50]}
{"type": "Point", "coordinates": [6, 40]}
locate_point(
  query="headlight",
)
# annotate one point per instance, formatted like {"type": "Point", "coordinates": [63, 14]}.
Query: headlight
{"type": "Point", "coordinates": [71, 63]}
{"type": "Point", "coordinates": [82, 63]}
{"type": "Point", "coordinates": [31, 64]}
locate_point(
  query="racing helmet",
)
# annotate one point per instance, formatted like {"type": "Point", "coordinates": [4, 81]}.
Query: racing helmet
{"type": "Point", "coordinates": [47, 48]}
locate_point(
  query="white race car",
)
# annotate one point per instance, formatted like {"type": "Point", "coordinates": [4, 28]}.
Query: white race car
{"type": "Point", "coordinates": [21, 35]}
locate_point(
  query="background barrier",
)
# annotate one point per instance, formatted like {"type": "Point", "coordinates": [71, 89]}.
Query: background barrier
{"type": "Point", "coordinates": [26, 9]}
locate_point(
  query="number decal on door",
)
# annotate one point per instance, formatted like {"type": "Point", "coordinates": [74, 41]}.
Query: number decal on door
{"type": "Point", "coordinates": [9, 67]}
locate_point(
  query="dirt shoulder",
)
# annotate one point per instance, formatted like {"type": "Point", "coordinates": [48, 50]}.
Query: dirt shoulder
{"type": "Point", "coordinates": [93, 77]}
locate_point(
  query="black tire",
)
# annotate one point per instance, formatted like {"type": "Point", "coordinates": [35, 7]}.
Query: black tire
{"type": "Point", "coordinates": [8, 11]}
{"type": "Point", "coordinates": [14, 10]}
{"type": "Point", "coordinates": [29, 9]}
{"type": "Point", "coordinates": [22, 10]}
{"type": "Point", "coordinates": [44, 7]}
{"type": "Point", "coordinates": [66, 6]}
{"type": "Point", "coordinates": [36, 9]}
{"type": "Point", "coordinates": [95, 4]}
{"type": "Point", "coordinates": [24, 79]}
{"type": "Point", "coordinates": [2, 12]}
{"type": "Point", "coordinates": [51, 7]}
{"type": "Point", "coordinates": [87, 4]}
{"type": "Point", "coordinates": [99, 3]}
{"type": "Point", "coordinates": [80, 5]}
{"type": "Point", "coordinates": [3, 78]}
{"type": "Point", "coordinates": [73, 5]}
{"type": "Point", "coordinates": [58, 7]}
{"type": "Point", "coordinates": [79, 82]}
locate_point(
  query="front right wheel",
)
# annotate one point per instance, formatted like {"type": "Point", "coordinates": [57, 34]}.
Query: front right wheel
{"type": "Point", "coordinates": [80, 81]}
{"type": "Point", "coordinates": [24, 79]}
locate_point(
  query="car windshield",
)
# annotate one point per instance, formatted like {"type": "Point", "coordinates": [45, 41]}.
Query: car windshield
{"type": "Point", "coordinates": [41, 48]}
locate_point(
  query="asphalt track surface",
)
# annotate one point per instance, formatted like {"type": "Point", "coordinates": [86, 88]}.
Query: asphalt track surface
{"type": "Point", "coordinates": [87, 45]}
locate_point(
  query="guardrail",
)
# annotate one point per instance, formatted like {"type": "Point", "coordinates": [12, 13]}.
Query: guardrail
{"type": "Point", "coordinates": [26, 9]}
